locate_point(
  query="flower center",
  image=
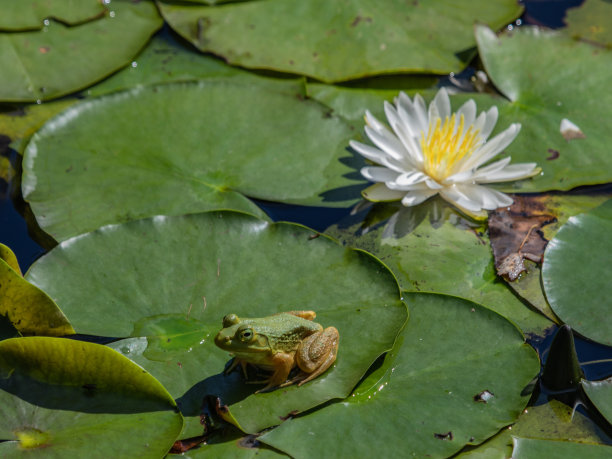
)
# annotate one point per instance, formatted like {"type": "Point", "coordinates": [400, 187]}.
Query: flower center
{"type": "Point", "coordinates": [446, 145]}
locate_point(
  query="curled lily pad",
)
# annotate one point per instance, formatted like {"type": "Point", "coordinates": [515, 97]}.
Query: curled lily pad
{"type": "Point", "coordinates": [173, 279]}
{"type": "Point", "coordinates": [53, 61]}
{"type": "Point", "coordinates": [29, 309]}
{"type": "Point", "coordinates": [331, 43]}
{"type": "Point", "coordinates": [223, 143]}
{"type": "Point", "coordinates": [440, 393]}
{"type": "Point", "coordinates": [576, 273]}
{"type": "Point", "coordinates": [543, 90]}
{"type": "Point", "coordinates": [59, 397]}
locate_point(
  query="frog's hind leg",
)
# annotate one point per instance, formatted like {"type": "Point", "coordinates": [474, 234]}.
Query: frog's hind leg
{"type": "Point", "coordinates": [316, 354]}
{"type": "Point", "coordinates": [283, 364]}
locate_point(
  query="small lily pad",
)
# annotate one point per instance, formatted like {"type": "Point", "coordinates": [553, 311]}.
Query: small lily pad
{"type": "Point", "coordinates": [591, 22]}
{"type": "Point", "coordinates": [56, 60]}
{"type": "Point", "coordinates": [60, 396]}
{"type": "Point", "coordinates": [18, 15]}
{"type": "Point", "coordinates": [170, 277]}
{"type": "Point", "coordinates": [332, 42]}
{"type": "Point", "coordinates": [433, 389]}
{"type": "Point", "coordinates": [576, 273]}
{"type": "Point", "coordinates": [531, 448]}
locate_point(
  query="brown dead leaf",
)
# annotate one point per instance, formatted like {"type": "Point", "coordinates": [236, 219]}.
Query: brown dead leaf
{"type": "Point", "coordinates": [515, 234]}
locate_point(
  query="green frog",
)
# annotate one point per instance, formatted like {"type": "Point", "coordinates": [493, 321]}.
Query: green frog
{"type": "Point", "coordinates": [279, 343]}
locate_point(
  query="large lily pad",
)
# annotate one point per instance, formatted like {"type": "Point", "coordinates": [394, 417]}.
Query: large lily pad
{"type": "Point", "coordinates": [531, 448]}
{"type": "Point", "coordinates": [576, 273]}
{"type": "Point", "coordinates": [440, 393]}
{"type": "Point", "coordinates": [175, 278]}
{"type": "Point", "coordinates": [131, 155]}
{"type": "Point", "coordinates": [64, 396]}
{"type": "Point", "coordinates": [333, 41]}
{"type": "Point", "coordinates": [430, 248]}
{"type": "Point", "coordinates": [544, 89]}
{"type": "Point", "coordinates": [56, 60]}
{"type": "Point", "coordinates": [18, 15]}
{"type": "Point", "coordinates": [600, 393]}
{"type": "Point", "coordinates": [28, 308]}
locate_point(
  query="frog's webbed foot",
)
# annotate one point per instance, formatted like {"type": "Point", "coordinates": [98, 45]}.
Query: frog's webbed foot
{"type": "Point", "coordinates": [316, 354]}
{"type": "Point", "coordinates": [282, 363]}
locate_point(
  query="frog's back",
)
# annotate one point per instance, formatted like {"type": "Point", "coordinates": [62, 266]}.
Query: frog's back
{"type": "Point", "coordinates": [286, 331]}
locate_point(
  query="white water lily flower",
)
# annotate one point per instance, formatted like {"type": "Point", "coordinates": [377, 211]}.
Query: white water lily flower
{"type": "Point", "coordinates": [431, 151]}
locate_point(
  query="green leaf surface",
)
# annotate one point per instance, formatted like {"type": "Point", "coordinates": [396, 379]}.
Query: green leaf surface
{"type": "Point", "coordinates": [66, 398]}
{"type": "Point", "coordinates": [551, 421]}
{"type": "Point", "coordinates": [28, 308]}
{"type": "Point", "coordinates": [178, 274]}
{"type": "Point", "coordinates": [7, 255]}
{"type": "Point", "coordinates": [337, 41]}
{"type": "Point", "coordinates": [232, 443]}
{"type": "Point", "coordinates": [530, 448]}
{"type": "Point", "coordinates": [57, 59]}
{"type": "Point", "coordinates": [429, 387]}
{"type": "Point", "coordinates": [192, 147]}
{"type": "Point", "coordinates": [430, 248]}
{"type": "Point", "coordinates": [576, 273]}
{"type": "Point", "coordinates": [600, 393]}
{"type": "Point", "coordinates": [18, 15]}
{"type": "Point", "coordinates": [591, 21]}
{"type": "Point", "coordinates": [547, 76]}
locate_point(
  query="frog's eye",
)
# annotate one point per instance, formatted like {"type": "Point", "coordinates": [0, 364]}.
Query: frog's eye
{"type": "Point", "coordinates": [246, 335]}
{"type": "Point", "coordinates": [229, 320]}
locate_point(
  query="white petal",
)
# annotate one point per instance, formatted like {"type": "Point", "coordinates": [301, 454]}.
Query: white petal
{"type": "Point", "coordinates": [570, 131]}
{"type": "Point", "coordinates": [489, 122]}
{"type": "Point", "coordinates": [413, 198]}
{"type": "Point", "coordinates": [387, 143]}
{"type": "Point", "coordinates": [493, 147]}
{"type": "Point", "coordinates": [493, 167]}
{"type": "Point", "coordinates": [411, 178]}
{"type": "Point", "coordinates": [417, 186]}
{"type": "Point", "coordinates": [511, 172]}
{"type": "Point", "coordinates": [380, 193]}
{"type": "Point", "coordinates": [367, 151]}
{"type": "Point", "coordinates": [373, 122]}
{"type": "Point", "coordinates": [439, 106]}
{"type": "Point", "coordinates": [413, 114]}
{"type": "Point", "coordinates": [415, 155]}
{"type": "Point", "coordinates": [452, 195]}
{"type": "Point", "coordinates": [379, 174]}
{"type": "Point", "coordinates": [468, 110]}
{"type": "Point", "coordinates": [485, 198]}
{"type": "Point", "coordinates": [459, 177]}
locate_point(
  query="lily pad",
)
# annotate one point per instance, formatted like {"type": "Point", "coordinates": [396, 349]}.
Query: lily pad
{"type": "Point", "coordinates": [591, 22]}
{"type": "Point", "coordinates": [29, 309]}
{"type": "Point", "coordinates": [56, 60]}
{"type": "Point", "coordinates": [543, 90]}
{"type": "Point", "coordinates": [528, 448]}
{"type": "Point", "coordinates": [431, 248]}
{"type": "Point", "coordinates": [7, 255]}
{"type": "Point", "coordinates": [336, 42]}
{"type": "Point", "coordinates": [18, 15]}
{"type": "Point", "coordinates": [440, 393]}
{"type": "Point", "coordinates": [178, 274]}
{"type": "Point", "coordinates": [551, 421]}
{"type": "Point", "coordinates": [223, 143]}
{"type": "Point", "coordinates": [576, 273]}
{"type": "Point", "coordinates": [600, 393]}
{"type": "Point", "coordinates": [63, 396]}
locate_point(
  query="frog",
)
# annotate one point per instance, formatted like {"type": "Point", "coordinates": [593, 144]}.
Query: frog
{"type": "Point", "coordinates": [279, 343]}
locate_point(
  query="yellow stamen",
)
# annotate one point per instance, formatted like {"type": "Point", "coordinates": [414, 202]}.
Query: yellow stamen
{"type": "Point", "coordinates": [446, 145]}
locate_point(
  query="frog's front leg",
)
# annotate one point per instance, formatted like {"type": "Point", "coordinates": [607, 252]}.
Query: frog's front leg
{"type": "Point", "coordinates": [282, 364]}
{"type": "Point", "coordinates": [317, 352]}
